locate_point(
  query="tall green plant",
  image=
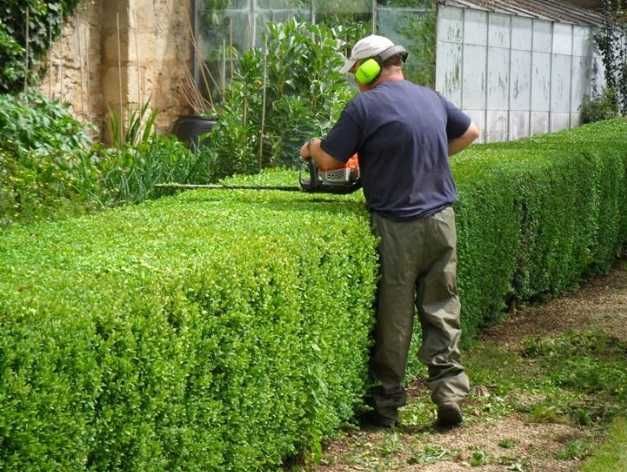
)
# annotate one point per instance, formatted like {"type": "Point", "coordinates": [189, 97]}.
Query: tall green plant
{"type": "Point", "coordinates": [611, 40]}
{"type": "Point", "coordinates": [128, 174]}
{"type": "Point", "coordinates": [419, 32]}
{"type": "Point", "coordinates": [137, 127]}
{"type": "Point", "coordinates": [304, 94]}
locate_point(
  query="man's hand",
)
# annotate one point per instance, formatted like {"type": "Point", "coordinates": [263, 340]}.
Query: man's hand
{"type": "Point", "coordinates": [305, 151]}
{"type": "Point", "coordinates": [312, 150]}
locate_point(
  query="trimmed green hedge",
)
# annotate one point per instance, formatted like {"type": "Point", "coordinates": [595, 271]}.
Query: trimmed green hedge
{"type": "Point", "coordinates": [229, 330]}
{"type": "Point", "coordinates": [215, 331]}
{"type": "Point", "coordinates": [537, 215]}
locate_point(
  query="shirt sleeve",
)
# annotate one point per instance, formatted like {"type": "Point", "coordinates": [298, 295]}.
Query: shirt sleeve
{"type": "Point", "coordinates": [457, 122]}
{"type": "Point", "coordinates": [343, 139]}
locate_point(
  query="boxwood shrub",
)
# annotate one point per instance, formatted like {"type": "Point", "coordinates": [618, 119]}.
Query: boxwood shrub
{"type": "Point", "coordinates": [215, 331]}
{"type": "Point", "coordinates": [536, 215]}
{"type": "Point", "coordinates": [228, 330]}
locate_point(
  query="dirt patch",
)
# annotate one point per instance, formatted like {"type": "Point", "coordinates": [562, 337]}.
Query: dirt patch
{"type": "Point", "coordinates": [504, 444]}
{"type": "Point", "coordinates": [601, 303]}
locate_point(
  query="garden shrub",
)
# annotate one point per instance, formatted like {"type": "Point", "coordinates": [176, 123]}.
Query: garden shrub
{"type": "Point", "coordinates": [208, 332]}
{"type": "Point", "coordinates": [32, 122]}
{"type": "Point", "coordinates": [129, 174]}
{"type": "Point", "coordinates": [44, 166]}
{"type": "Point", "coordinates": [223, 330]}
{"type": "Point", "coordinates": [557, 210]}
{"type": "Point", "coordinates": [305, 92]}
{"type": "Point", "coordinates": [49, 166]}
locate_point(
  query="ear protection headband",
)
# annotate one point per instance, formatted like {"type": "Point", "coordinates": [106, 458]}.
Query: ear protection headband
{"type": "Point", "coordinates": [370, 70]}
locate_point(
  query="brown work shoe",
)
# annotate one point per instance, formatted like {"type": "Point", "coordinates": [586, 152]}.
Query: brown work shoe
{"type": "Point", "coordinates": [449, 415]}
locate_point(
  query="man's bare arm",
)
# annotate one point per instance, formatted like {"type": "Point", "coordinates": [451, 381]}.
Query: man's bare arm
{"type": "Point", "coordinates": [325, 161]}
{"type": "Point", "coordinates": [465, 140]}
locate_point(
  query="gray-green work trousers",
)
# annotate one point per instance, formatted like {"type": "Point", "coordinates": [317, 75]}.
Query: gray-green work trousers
{"type": "Point", "coordinates": [418, 261]}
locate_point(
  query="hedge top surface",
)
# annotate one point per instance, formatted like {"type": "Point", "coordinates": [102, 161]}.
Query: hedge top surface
{"type": "Point", "coordinates": [155, 234]}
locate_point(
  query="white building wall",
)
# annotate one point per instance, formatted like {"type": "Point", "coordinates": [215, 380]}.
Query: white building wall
{"type": "Point", "coordinates": [513, 75]}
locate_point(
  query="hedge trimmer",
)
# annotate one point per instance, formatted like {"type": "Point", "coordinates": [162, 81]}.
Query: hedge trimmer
{"type": "Point", "coordinates": [311, 179]}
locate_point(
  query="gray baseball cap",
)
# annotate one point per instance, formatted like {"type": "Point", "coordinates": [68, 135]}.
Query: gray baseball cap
{"type": "Point", "coordinates": [366, 47]}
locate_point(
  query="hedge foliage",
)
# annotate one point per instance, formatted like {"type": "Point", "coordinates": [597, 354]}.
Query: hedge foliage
{"type": "Point", "coordinates": [208, 332]}
{"type": "Point", "coordinates": [228, 330]}
{"type": "Point", "coordinates": [536, 215]}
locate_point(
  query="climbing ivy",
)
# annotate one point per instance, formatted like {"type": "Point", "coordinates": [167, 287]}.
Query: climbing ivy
{"type": "Point", "coordinates": [611, 41]}
{"type": "Point", "coordinates": [27, 29]}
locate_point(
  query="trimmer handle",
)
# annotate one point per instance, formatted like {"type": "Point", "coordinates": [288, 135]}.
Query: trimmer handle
{"type": "Point", "coordinates": [314, 182]}
{"type": "Point", "coordinates": [341, 181]}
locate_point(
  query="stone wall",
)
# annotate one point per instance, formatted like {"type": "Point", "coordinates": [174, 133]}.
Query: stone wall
{"type": "Point", "coordinates": [117, 54]}
{"type": "Point", "coordinates": [74, 64]}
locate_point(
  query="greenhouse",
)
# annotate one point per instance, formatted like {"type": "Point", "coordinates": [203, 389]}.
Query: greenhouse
{"type": "Point", "coordinates": [516, 69]}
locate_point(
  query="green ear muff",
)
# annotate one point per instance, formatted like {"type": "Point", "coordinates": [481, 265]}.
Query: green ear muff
{"type": "Point", "coordinates": [367, 72]}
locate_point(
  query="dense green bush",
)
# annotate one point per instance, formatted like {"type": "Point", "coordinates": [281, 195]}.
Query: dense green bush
{"type": "Point", "coordinates": [602, 107]}
{"type": "Point", "coordinates": [208, 332]}
{"type": "Point", "coordinates": [227, 330]}
{"type": "Point", "coordinates": [537, 214]}
{"type": "Point", "coordinates": [32, 122]}
{"type": "Point", "coordinates": [44, 166]}
{"type": "Point", "coordinates": [49, 167]}
{"type": "Point", "coordinates": [304, 94]}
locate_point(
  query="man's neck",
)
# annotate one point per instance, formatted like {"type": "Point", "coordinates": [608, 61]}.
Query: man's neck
{"type": "Point", "coordinates": [394, 76]}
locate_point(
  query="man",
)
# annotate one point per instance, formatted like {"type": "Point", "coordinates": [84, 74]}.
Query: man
{"type": "Point", "coordinates": [404, 134]}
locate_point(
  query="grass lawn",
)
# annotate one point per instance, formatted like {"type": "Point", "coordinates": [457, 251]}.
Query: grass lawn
{"type": "Point", "coordinates": [612, 455]}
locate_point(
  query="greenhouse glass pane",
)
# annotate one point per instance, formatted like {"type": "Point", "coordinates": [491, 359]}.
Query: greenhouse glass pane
{"type": "Point", "coordinates": [240, 24]}
{"type": "Point", "coordinates": [413, 28]}
{"type": "Point", "coordinates": [238, 4]}
{"type": "Point", "coordinates": [282, 4]}
{"type": "Point", "coordinates": [344, 7]}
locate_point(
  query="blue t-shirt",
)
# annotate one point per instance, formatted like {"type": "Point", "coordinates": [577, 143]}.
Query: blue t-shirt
{"type": "Point", "coordinates": [401, 132]}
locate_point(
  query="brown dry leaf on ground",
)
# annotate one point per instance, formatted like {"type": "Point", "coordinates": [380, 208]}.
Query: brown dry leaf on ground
{"type": "Point", "coordinates": [502, 443]}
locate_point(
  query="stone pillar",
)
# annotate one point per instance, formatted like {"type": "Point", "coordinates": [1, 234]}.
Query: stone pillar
{"type": "Point", "coordinates": [115, 60]}
{"type": "Point", "coordinates": [73, 65]}
{"type": "Point", "coordinates": [117, 54]}
{"type": "Point", "coordinates": [152, 58]}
